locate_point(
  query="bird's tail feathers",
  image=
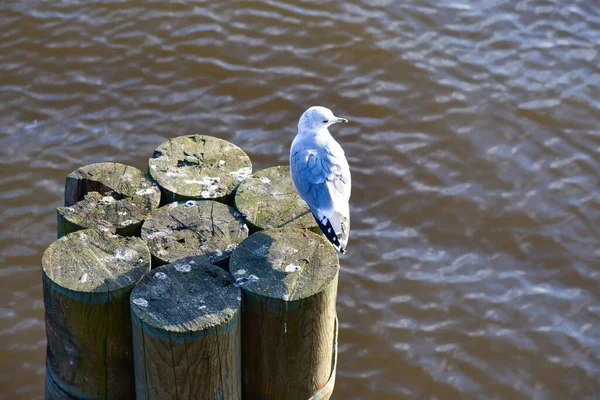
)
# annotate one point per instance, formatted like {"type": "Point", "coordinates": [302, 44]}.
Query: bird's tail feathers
{"type": "Point", "coordinates": [334, 236]}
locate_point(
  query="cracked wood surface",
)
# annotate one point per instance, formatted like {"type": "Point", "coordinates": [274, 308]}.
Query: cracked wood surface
{"type": "Point", "coordinates": [186, 332]}
{"type": "Point", "coordinates": [195, 167]}
{"type": "Point", "coordinates": [107, 196]}
{"type": "Point", "coordinates": [289, 284]}
{"type": "Point", "coordinates": [87, 278]}
{"type": "Point", "coordinates": [190, 228]}
{"type": "Point", "coordinates": [268, 199]}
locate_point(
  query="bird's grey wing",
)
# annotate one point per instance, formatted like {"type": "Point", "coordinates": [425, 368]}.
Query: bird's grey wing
{"type": "Point", "coordinates": [308, 183]}
{"type": "Point", "coordinates": [322, 179]}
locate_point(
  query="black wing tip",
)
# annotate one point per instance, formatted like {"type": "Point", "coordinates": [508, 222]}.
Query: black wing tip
{"type": "Point", "coordinates": [330, 234]}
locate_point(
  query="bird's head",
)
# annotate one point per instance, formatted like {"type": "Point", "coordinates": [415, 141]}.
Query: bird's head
{"type": "Point", "coordinates": [317, 118]}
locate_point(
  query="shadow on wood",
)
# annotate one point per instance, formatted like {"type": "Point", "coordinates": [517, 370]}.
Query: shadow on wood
{"type": "Point", "coordinates": [268, 199]}
{"type": "Point", "coordinates": [192, 228]}
{"type": "Point", "coordinates": [107, 196]}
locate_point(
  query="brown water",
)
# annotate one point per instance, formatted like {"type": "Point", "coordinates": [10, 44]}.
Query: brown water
{"type": "Point", "coordinates": [473, 269]}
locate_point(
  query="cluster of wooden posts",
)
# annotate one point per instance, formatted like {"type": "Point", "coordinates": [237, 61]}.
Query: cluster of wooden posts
{"type": "Point", "coordinates": [196, 280]}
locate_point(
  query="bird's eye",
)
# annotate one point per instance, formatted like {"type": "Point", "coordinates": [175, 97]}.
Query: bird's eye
{"type": "Point", "coordinates": [325, 121]}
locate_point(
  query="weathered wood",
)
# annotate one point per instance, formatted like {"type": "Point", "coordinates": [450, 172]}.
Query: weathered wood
{"type": "Point", "coordinates": [326, 391]}
{"type": "Point", "coordinates": [53, 392]}
{"type": "Point", "coordinates": [87, 278]}
{"type": "Point", "coordinates": [289, 284]}
{"type": "Point", "coordinates": [196, 167]}
{"type": "Point", "coordinates": [190, 228]}
{"type": "Point", "coordinates": [268, 199]}
{"type": "Point", "coordinates": [107, 196]}
{"type": "Point", "coordinates": [186, 332]}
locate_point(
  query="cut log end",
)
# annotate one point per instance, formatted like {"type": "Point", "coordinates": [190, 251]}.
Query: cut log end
{"type": "Point", "coordinates": [187, 312]}
{"type": "Point", "coordinates": [90, 261]}
{"type": "Point", "coordinates": [107, 196]}
{"type": "Point", "coordinates": [190, 228]}
{"type": "Point", "coordinates": [195, 167]}
{"type": "Point", "coordinates": [289, 283]}
{"type": "Point", "coordinates": [87, 278]}
{"type": "Point", "coordinates": [287, 264]}
{"type": "Point", "coordinates": [107, 177]}
{"type": "Point", "coordinates": [268, 199]}
{"type": "Point", "coordinates": [186, 296]}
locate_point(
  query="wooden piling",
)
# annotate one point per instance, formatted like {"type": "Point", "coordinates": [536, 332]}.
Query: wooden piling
{"type": "Point", "coordinates": [53, 392]}
{"type": "Point", "coordinates": [107, 196]}
{"type": "Point", "coordinates": [186, 332]}
{"type": "Point", "coordinates": [191, 228]}
{"type": "Point", "coordinates": [87, 278]}
{"type": "Point", "coordinates": [289, 283]}
{"type": "Point", "coordinates": [196, 167]}
{"type": "Point", "coordinates": [182, 332]}
{"type": "Point", "coordinates": [268, 199]}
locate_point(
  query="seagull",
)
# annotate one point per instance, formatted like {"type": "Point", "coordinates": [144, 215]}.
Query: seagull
{"type": "Point", "coordinates": [321, 174]}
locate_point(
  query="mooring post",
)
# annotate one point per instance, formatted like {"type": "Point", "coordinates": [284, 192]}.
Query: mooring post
{"type": "Point", "coordinates": [197, 167]}
{"type": "Point", "coordinates": [186, 332]}
{"type": "Point", "coordinates": [289, 284]}
{"type": "Point", "coordinates": [268, 199]}
{"type": "Point", "coordinates": [191, 228]}
{"type": "Point", "coordinates": [107, 196]}
{"type": "Point", "coordinates": [87, 278]}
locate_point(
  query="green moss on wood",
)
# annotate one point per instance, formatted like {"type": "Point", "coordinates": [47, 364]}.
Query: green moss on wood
{"type": "Point", "coordinates": [189, 228]}
{"type": "Point", "coordinates": [268, 199]}
{"type": "Point", "coordinates": [195, 167]}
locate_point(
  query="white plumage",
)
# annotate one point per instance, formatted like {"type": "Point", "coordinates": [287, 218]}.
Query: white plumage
{"type": "Point", "coordinates": [321, 174]}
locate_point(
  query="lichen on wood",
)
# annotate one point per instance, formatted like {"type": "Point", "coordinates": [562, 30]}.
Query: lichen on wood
{"type": "Point", "coordinates": [107, 196]}
{"type": "Point", "coordinates": [87, 278]}
{"type": "Point", "coordinates": [268, 199]}
{"type": "Point", "coordinates": [195, 167]}
{"type": "Point", "coordinates": [107, 177]}
{"type": "Point", "coordinates": [189, 228]}
{"type": "Point", "coordinates": [289, 283]}
{"type": "Point", "coordinates": [186, 332]}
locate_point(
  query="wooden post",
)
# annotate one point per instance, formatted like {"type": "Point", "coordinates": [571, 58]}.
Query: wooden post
{"type": "Point", "coordinates": [191, 228]}
{"type": "Point", "coordinates": [87, 278]}
{"type": "Point", "coordinates": [268, 199]}
{"type": "Point", "coordinates": [186, 332]}
{"type": "Point", "coordinates": [107, 196]}
{"type": "Point", "coordinates": [53, 392]}
{"type": "Point", "coordinates": [289, 284]}
{"type": "Point", "coordinates": [196, 167]}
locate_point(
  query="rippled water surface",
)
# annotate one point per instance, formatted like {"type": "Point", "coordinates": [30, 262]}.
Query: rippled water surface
{"type": "Point", "coordinates": [473, 269]}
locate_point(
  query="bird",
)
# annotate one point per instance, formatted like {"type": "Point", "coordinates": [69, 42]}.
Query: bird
{"type": "Point", "coordinates": [321, 174]}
